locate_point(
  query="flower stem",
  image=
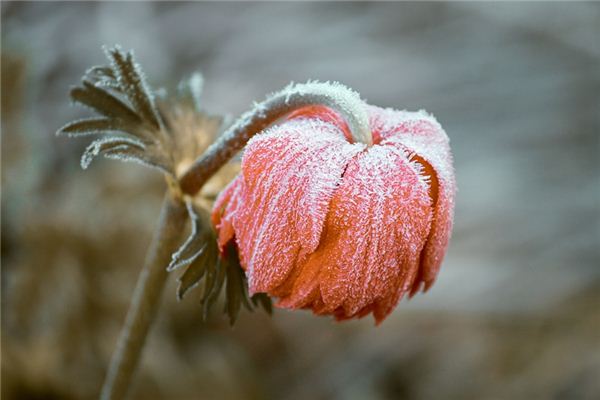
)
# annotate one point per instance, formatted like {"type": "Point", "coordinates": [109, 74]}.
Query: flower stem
{"type": "Point", "coordinates": [146, 299]}
{"type": "Point", "coordinates": [336, 96]}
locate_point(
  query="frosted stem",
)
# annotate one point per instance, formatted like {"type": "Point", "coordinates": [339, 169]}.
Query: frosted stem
{"type": "Point", "coordinates": [146, 299]}
{"type": "Point", "coordinates": [333, 95]}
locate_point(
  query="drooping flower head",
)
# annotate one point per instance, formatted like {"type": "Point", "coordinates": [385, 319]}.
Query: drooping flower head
{"type": "Point", "coordinates": [339, 227]}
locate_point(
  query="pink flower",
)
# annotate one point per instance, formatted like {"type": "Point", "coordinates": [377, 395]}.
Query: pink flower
{"type": "Point", "coordinates": [339, 227]}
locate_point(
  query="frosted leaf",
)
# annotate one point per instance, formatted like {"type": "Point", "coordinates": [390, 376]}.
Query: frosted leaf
{"type": "Point", "coordinates": [105, 144]}
{"type": "Point", "coordinates": [236, 292]}
{"type": "Point", "coordinates": [100, 72]}
{"type": "Point", "coordinates": [202, 266]}
{"type": "Point", "coordinates": [102, 102]}
{"type": "Point", "coordinates": [199, 252]}
{"type": "Point", "coordinates": [172, 137]}
{"type": "Point", "coordinates": [132, 81]}
{"type": "Point", "coordinates": [190, 279]}
{"type": "Point", "coordinates": [213, 283]}
{"type": "Point", "coordinates": [108, 84]}
{"type": "Point", "coordinates": [189, 251]}
{"type": "Point", "coordinates": [93, 126]}
{"type": "Point", "coordinates": [102, 76]}
{"type": "Point", "coordinates": [192, 88]}
{"type": "Point", "coordinates": [196, 242]}
{"type": "Point", "coordinates": [137, 160]}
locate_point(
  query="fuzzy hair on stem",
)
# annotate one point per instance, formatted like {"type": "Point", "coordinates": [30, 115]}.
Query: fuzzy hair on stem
{"type": "Point", "coordinates": [333, 95]}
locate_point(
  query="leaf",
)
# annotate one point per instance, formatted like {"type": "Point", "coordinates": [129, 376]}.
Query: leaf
{"type": "Point", "coordinates": [108, 84]}
{"type": "Point", "coordinates": [212, 289]}
{"type": "Point", "coordinates": [106, 144]}
{"type": "Point", "coordinates": [201, 238]}
{"type": "Point", "coordinates": [237, 288]}
{"type": "Point", "coordinates": [191, 250]}
{"type": "Point", "coordinates": [264, 301]}
{"type": "Point", "coordinates": [191, 89]}
{"type": "Point", "coordinates": [132, 82]}
{"type": "Point", "coordinates": [100, 71]}
{"type": "Point", "coordinates": [103, 102]}
{"type": "Point", "coordinates": [146, 157]}
{"type": "Point", "coordinates": [92, 126]}
{"type": "Point", "coordinates": [234, 297]}
{"type": "Point", "coordinates": [194, 273]}
{"type": "Point", "coordinates": [201, 252]}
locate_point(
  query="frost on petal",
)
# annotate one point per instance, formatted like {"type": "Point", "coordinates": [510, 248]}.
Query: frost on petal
{"type": "Point", "coordinates": [324, 114]}
{"type": "Point", "coordinates": [420, 134]}
{"type": "Point", "coordinates": [376, 228]}
{"type": "Point", "coordinates": [289, 176]}
{"type": "Point", "coordinates": [224, 210]}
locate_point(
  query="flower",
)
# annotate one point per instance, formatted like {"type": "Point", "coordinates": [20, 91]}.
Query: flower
{"type": "Point", "coordinates": [341, 228]}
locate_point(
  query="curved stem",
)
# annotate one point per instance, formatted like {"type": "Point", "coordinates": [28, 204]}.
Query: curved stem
{"type": "Point", "coordinates": [146, 299]}
{"type": "Point", "coordinates": [335, 95]}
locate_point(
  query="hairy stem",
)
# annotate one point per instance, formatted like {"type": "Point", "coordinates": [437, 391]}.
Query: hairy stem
{"type": "Point", "coordinates": [336, 96]}
{"type": "Point", "coordinates": [146, 299]}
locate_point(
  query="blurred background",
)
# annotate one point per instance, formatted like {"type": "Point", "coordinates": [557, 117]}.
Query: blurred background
{"type": "Point", "coordinates": [515, 311]}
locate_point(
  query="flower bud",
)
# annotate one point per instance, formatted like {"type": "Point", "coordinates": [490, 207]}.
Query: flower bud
{"type": "Point", "coordinates": [341, 228]}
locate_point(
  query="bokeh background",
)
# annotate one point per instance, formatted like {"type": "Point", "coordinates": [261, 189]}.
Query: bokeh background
{"type": "Point", "coordinates": [515, 313]}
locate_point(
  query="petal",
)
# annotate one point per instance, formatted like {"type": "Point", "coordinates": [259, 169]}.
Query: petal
{"type": "Point", "coordinates": [376, 228]}
{"type": "Point", "coordinates": [324, 114]}
{"type": "Point", "coordinates": [224, 211]}
{"type": "Point", "coordinates": [289, 176]}
{"type": "Point", "coordinates": [423, 136]}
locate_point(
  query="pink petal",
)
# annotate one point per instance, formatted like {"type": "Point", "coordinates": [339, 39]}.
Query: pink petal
{"type": "Point", "coordinates": [224, 211]}
{"type": "Point", "coordinates": [289, 175]}
{"type": "Point", "coordinates": [376, 228]}
{"type": "Point", "coordinates": [422, 135]}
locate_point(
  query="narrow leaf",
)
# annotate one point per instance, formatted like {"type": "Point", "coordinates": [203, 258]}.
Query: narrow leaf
{"type": "Point", "coordinates": [264, 301]}
{"type": "Point", "coordinates": [145, 157]}
{"type": "Point", "coordinates": [189, 252]}
{"type": "Point", "coordinates": [237, 289]}
{"type": "Point", "coordinates": [238, 274]}
{"type": "Point", "coordinates": [194, 273]}
{"type": "Point", "coordinates": [92, 126]}
{"type": "Point", "coordinates": [105, 144]}
{"type": "Point", "coordinates": [133, 84]}
{"type": "Point", "coordinates": [108, 84]}
{"type": "Point", "coordinates": [103, 102]}
{"type": "Point", "coordinates": [234, 297]}
{"type": "Point", "coordinates": [201, 237]}
{"type": "Point", "coordinates": [214, 288]}
{"type": "Point", "coordinates": [100, 71]}
{"type": "Point", "coordinates": [191, 89]}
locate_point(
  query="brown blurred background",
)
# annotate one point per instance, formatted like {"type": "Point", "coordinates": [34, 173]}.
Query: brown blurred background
{"type": "Point", "coordinates": [515, 313]}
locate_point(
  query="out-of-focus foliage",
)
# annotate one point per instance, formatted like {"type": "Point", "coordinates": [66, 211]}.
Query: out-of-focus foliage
{"type": "Point", "coordinates": [514, 313]}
